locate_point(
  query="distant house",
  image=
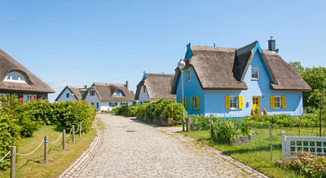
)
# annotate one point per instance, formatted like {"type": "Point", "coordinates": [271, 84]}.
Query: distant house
{"type": "Point", "coordinates": [15, 79]}
{"type": "Point", "coordinates": [70, 93]}
{"type": "Point", "coordinates": [105, 96]}
{"type": "Point", "coordinates": [155, 86]}
{"type": "Point", "coordinates": [231, 82]}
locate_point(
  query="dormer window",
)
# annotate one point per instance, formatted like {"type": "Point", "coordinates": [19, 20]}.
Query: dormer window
{"type": "Point", "coordinates": [118, 93]}
{"type": "Point", "coordinates": [92, 93]}
{"type": "Point", "coordinates": [255, 73]}
{"type": "Point", "coordinates": [15, 77]}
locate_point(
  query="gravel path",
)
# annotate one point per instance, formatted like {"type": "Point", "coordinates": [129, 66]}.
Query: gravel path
{"type": "Point", "coordinates": [132, 149]}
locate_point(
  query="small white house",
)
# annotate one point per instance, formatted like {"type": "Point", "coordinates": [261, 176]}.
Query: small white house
{"type": "Point", "coordinates": [105, 96]}
{"type": "Point", "coordinates": [155, 86]}
{"type": "Point", "coordinates": [70, 93]}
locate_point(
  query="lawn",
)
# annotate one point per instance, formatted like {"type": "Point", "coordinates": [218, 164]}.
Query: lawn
{"type": "Point", "coordinates": [58, 161]}
{"type": "Point", "coordinates": [257, 153]}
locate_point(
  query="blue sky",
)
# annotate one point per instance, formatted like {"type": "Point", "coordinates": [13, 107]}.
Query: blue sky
{"type": "Point", "coordinates": [80, 42]}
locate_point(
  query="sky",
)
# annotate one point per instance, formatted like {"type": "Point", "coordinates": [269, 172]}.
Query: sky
{"type": "Point", "coordinates": [78, 42]}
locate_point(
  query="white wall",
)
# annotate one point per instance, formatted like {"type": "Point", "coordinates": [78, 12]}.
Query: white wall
{"type": "Point", "coordinates": [93, 99]}
{"type": "Point", "coordinates": [143, 96]}
{"type": "Point", "coordinates": [64, 98]}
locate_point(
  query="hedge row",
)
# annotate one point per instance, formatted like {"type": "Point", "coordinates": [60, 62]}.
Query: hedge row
{"type": "Point", "coordinates": [152, 112]}
{"type": "Point", "coordinates": [19, 120]}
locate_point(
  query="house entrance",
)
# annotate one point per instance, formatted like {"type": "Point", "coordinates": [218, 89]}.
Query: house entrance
{"type": "Point", "coordinates": [256, 104]}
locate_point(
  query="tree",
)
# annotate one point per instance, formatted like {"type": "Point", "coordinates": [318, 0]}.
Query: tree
{"type": "Point", "coordinates": [298, 66]}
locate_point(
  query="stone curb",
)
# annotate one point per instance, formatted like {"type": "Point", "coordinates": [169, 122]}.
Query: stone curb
{"type": "Point", "coordinates": [76, 168]}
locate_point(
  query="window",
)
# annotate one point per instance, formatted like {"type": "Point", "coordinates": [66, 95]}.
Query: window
{"type": "Point", "coordinates": [15, 77]}
{"type": "Point", "coordinates": [31, 97]}
{"type": "Point", "coordinates": [234, 102]}
{"type": "Point", "coordinates": [118, 93]}
{"type": "Point", "coordinates": [144, 90]}
{"type": "Point", "coordinates": [5, 97]}
{"type": "Point", "coordinates": [67, 95]}
{"type": "Point", "coordinates": [188, 75]}
{"type": "Point", "coordinates": [97, 105]}
{"type": "Point", "coordinates": [112, 104]}
{"type": "Point", "coordinates": [277, 101]}
{"type": "Point", "coordinates": [92, 104]}
{"type": "Point", "coordinates": [255, 73]}
{"type": "Point", "coordinates": [92, 93]}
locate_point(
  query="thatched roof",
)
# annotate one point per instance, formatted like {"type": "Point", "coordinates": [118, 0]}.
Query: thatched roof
{"type": "Point", "coordinates": [157, 85]}
{"type": "Point", "coordinates": [33, 83]}
{"type": "Point", "coordinates": [78, 93]}
{"type": "Point", "coordinates": [225, 68]}
{"type": "Point", "coordinates": [105, 92]}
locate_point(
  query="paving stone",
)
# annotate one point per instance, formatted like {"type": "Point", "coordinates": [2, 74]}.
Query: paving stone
{"type": "Point", "coordinates": [132, 149]}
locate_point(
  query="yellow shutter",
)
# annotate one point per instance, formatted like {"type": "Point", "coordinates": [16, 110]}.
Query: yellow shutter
{"type": "Point", "coordinates": [227, 102]}
{"type": "Point", "coordinates": [185, 103]}
{"type": "Point", "coordinates": [272, 102]}
{"type": "Point", "coordinates": [191, 103]}
{"type": "Point", "coordinates": [180, 100]}
{"type": "Point", "coordinates": [240, 102]}
{"type": "Point", "coordinates": [283, 102]}
{"type": "Point", "coordinates": [197, 101]}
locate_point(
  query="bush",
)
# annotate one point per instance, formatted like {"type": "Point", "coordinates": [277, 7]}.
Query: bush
{"type": "Point", "coordinates": [224, 130]}
{"type": "Point", "coordinates": [9, 136]}
{"type": "Point", "coordinates": [306, 164]}
{"type": "Point", "coordinates": [142, 110]}
{"type": "Point", "coordinates": [308, 120]}
{"type": "Point", "coordinates": [199, 122]}
{"type": "Point", "coordinates": [174, 109]}
{"type": "Point", "coordinates": [128, 111]}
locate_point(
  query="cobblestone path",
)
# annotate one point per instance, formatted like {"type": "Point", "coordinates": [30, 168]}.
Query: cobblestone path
{"type": "Point", "coordinates": [132, 149]}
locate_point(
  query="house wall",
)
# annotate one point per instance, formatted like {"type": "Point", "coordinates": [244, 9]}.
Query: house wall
{"type": "Point", "coordinates": [143, 96]}
{"type": "Point", "coordinates": [192, 88]}
{"type": "Point", "coordinates": [215, 99]}
{"type": "Point", "coordinates": [93, 99]}
{"type": "Point", "coordinates": [64, 98]}
{"type": "Point", "coordinates": [25, 94]}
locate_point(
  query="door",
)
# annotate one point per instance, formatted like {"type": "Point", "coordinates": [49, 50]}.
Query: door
{"type": "Point", "coordinates": [256, 104]}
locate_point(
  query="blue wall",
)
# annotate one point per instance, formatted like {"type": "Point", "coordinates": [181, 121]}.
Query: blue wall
{"type": "Point", "coordinates": [215, 99]}
{"type": "Point", "coordinates": [192, 88]}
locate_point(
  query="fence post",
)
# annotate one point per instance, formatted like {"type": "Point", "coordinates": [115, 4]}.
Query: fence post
{"type": "Point", "coordinates": [64, 140]}
{"type": "Point", "coordinates": [80, 129]}
{"type": "Point", "coordinates": [73, 134]}
{"type": "Point", "coordinates": [46, 149]}
{"type": "Point", "coordinates": [270, 135]}
{"type": "Point", "coordinates": [13, 162]}
{"type": "Point", "coordinates": [283, 145]}
{"type": "Point", "coordinates": [188, 123]}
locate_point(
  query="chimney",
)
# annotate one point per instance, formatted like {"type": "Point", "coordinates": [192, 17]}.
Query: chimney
{"type": "Point", "coordinates": [271, 44]}
{"type": "Point", "coordinates": [127, 83]}
{"type": "Point", "coordinates": [85, 86]}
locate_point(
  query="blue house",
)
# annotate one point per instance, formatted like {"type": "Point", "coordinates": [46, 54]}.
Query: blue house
{"type": "Point", "coordinates": [231, 82]}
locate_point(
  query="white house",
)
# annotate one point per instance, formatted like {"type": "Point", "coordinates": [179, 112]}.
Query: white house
{"type": "Point", "coordinates": [105, 96]}
{"type": "Point", "coordinates": [70, 93]}
{"type": "Point", "coordinates": [155, 86]}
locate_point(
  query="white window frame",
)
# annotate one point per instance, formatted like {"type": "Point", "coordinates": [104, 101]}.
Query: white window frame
{"type": "Point", "coordinates": [252, 72]}
{"type": "Point", "coordinates": [188, 75]}
{"type": "Point", "coordinates": [92, 93]}
{"type": "Point", "coordinates": [194, 105]}
{"type": "Point", "coordinates": [237, 102]}
{"type": "Point", "coordinates": [280, 102]}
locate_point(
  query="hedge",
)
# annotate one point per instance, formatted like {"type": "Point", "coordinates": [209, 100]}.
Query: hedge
{"type": "Point", "coordinates": [22, 119]}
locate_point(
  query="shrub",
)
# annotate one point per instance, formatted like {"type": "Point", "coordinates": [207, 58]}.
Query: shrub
{"type": "Point", "coordinates": [174, 109]}
{"type": "Point", "coordinates": [199, 122]}
{"type": "Point", "coordinates": [142, 110]}
{"type": "Point", "coordinates": [224, 130]}
{"type": "Point", "coordinates": [9, 136]}
{"type": "Point", "coordinates": [308, 120]}
{"type": "Point", "coordinates": [306, 164]}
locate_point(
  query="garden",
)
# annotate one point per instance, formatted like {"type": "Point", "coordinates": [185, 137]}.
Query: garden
{"type": "Point", "coordinates": [220, 133]}
{"type": "Point", "coordinates": [24, 124]}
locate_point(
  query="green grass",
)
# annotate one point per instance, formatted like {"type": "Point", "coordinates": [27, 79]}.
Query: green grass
{"type": "Point", "coordinates": [257, 153]}
{"type": "Point", "coordinates": [58, 161]}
